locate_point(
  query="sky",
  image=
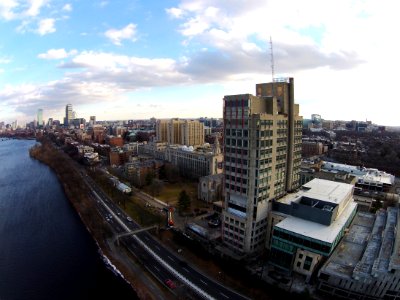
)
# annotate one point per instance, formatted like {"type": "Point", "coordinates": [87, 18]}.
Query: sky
{"type": "Point", "coordinates": [131, 59]}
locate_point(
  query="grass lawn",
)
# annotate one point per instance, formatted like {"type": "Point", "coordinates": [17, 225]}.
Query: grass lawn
{"type": "Point", "coordinates": [170, 192]}
{"type": "Point", "coordinates": [142, 215]}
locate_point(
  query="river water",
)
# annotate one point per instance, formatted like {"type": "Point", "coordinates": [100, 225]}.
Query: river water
{"type": "Point", "coordinates": [45, 250]}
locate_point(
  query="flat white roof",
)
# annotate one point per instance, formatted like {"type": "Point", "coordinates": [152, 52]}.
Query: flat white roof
{"type": "Point", "coordinates": [318, 231]}
{"type": "Point", "coordinates": [374, 175]}
{"type": "Point", "coordinates": [363, 174]}
{"type": "Point", "coordinates": [321, 189]}
{"type": "Point", "coordinates": [326, 190]}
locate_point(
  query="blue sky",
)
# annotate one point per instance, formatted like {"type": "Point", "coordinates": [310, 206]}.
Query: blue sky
{"type": "Point", "coordinates": [127, 59]}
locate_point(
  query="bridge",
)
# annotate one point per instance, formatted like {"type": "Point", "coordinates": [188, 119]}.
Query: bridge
{"type": "Point", "coordinates": [118, 236]}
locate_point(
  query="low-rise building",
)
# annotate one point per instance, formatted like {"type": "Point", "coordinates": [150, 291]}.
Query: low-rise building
{"type": "Point", "coordinates": [368, 179]}
{"type": "Point", "coordinates": [115, 141]}
{"type": "Point", "coordinates": [305, 227]}
{"type": "Point", "coordinates": [366, 263]}
{"type": "Point", "coordinates": [191, 162]}
{"type": "Point", "coordinates": [210, 188]}
{"type": "Point", "coordinates": [139, 168]}
{"type": "Point", "coordinates": [118, 157]}
{"type": "Point", "coordinates": [311, 148]}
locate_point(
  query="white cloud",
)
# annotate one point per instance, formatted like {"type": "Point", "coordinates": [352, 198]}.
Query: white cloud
{"type": "Point", "coordinates": [7, 9]}
{"type": "Point", "coordinates": [126, 33]}
{"type": "Point", "coordinates": [57, 54]}
{"type": "Point", "coordinates": [19, 9]}
{"type": "Point", "coordinates": [46, 26]}
{"type": "Point", "coordinates": [175, 12]}
{"type": "Point", "coordinates": [35, 6]}
{"type": "Point", "coordinates": [67, 7]}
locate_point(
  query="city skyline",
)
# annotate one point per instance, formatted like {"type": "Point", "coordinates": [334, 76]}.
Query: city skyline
{"type": "Point", "coordinates": [137, 60]}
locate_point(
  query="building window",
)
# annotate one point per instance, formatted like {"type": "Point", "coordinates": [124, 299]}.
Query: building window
{"type": "Point", "coordinates": [307, 263]}
{"type": "Point", "coordinates": [298, 264]}
{"type": "Point", "coordinates": [300, 255]}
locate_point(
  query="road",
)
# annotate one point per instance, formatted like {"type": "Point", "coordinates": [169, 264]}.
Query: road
{"type": "Point", "coordinates": [161, 262]}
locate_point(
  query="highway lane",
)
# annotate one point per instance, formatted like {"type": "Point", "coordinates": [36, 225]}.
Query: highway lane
{"type": "Point", "coordinates": [161, 262]}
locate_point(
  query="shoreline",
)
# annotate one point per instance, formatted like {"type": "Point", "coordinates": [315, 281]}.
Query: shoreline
{"type": "Point", "coordinates": [77, 194]}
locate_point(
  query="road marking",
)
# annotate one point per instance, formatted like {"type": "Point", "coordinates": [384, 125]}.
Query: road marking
{"type": "Point", "coordinates": [170, 257]}
{"type": "Point", "coordinates": [203, 282]}
{"type": "Point", "coordinates": [186, 270]}
{"type": "Point", "coordinates": [156, 268]}
{"type": "Point", "coordinates": [158, 248]}
{"type": "Point", "coordinates": [222, 294]}
{"type": "Point", "coordinates": [147, 239]}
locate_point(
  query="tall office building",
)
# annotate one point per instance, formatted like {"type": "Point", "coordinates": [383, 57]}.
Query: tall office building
{"type": "Point", "coordinates": [182, 132]}
{"type": "Point", "coordinates": [92, 120]}
{"type": "Point", "coordinates": [262, 150]}
{"type": "Point", "coordinates": [68, 115]}
{"type": "Point", "coordinates": [40, 117]}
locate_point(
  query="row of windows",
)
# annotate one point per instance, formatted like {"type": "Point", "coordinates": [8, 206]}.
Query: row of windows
{"type": "Point", "coordinates": [236, 188]}
{"type": "Point", "coordinates": [237, 132]}
{"type": "Point", "coordinates": [262, 190]}
{"type": "Point", "coordinates": [236, 103]}
{"type": "Point", "coordinates": [233, 228]}
{"type": "Point", "coordinates": [265, 122]}
{"type": "Point", "coordinates": [236, 160]}
{"type": "Point", "coordinates": [263, 162]}
{"type": "Point", "coordinates": [263, 171]}
{"type": "Point", "coordinates": [280, 157]}
{"type": "Point", "coordinates": [262, 181]}
{"type": "Point", "coordinates": [302, 242]}
{"type": "Point", "coordinates": [236, 151]}
{"type": "Point", "coordinates": [264, 143]}
{"type": "Point", "coordinates": [280, 166]}
{"type": "Point", "coordinates": [264, 152]}
{"type": "Point", "coordinates": [260, 198]}
{"type": "Point", "coordinates": [281, 140]}
{"type": "Point", "coordinates": [281, 131]}
{"type": "Point", "coordinates": [281, 122]}
{"type": "Point", "coordinates": [281, 148]}
{"type": "Point", "coordinates": [237, 142]}
{"type": "Point", "coordinates": [259, 223]}
{"type": "Point", "coordinates": [236, 170]}
{"type": "Point", "coordinates": [233, 221]}
{"type": "Point", "coordinates": [265, 133]}
{"type": "Point", "coordinates": [237, 122]}
{"type": "Point", "coordinates": [236, 179]}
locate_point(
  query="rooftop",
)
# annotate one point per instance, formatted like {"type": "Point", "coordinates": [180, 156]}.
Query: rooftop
{"type": "Point", "coordinates": [316, 231]}
{"type": "Point", "coordinates": [350, 250]}
{"type": "Point", "coordinates": [368, 249]}
{"type": "Point", "coordinates": [363, 174]}
{"type": "Point", "coordinates": [320, 189]}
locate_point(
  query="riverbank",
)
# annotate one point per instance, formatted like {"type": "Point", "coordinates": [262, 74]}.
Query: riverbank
{"type": "Point", "coordinates": [78, 194]}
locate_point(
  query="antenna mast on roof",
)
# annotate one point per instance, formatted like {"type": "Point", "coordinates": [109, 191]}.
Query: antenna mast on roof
{"type": "Point", "coordinates": [272, 64]}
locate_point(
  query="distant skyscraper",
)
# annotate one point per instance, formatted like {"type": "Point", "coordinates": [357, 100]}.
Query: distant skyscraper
{"type": "Point", "coordinates": [262, 153]}
{"type": "Point", "coordinates": [40, 117]}
{"type": "Point", "coordinates": [68, 115]}
{"type": "Point", "coordinates": [92, 120]}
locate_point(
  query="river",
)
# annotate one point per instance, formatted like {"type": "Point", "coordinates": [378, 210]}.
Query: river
{"type": "Point", "coordinates": [45, 250]}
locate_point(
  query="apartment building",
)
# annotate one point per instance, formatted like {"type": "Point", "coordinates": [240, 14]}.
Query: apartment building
{"type": "Point", "coordinates": [180, 132]}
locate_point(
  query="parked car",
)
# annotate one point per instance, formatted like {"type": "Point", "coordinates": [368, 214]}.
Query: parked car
{"type": "Point", "coordinates": [170, 284]}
